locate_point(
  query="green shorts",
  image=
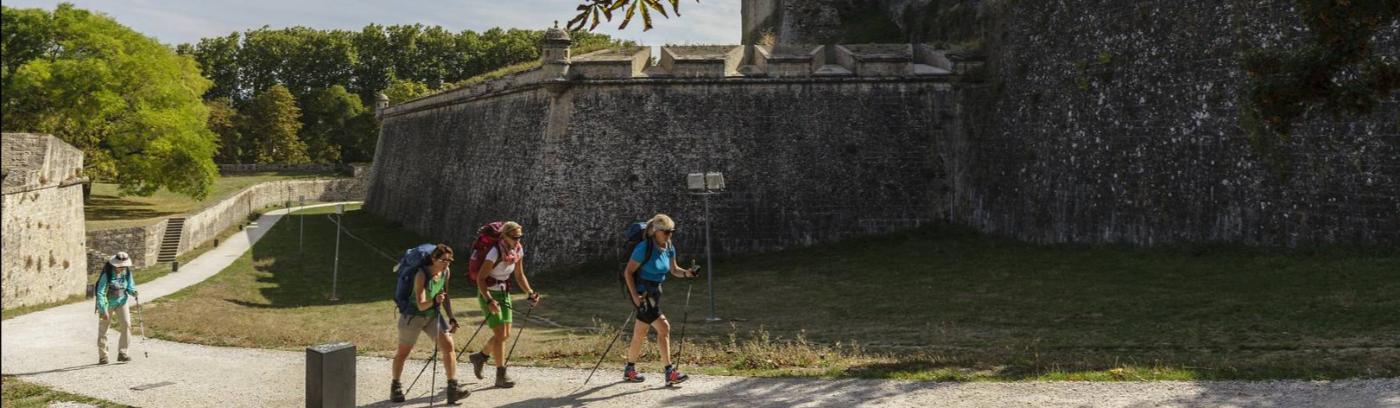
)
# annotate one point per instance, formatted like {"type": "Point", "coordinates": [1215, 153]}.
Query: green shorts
{"type": "Point", "coordinates": [496, 320]}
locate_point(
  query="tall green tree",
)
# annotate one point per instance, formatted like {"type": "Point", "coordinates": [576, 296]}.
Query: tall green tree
{"type": "Point", "coordinates": [330, 130]}
{"type": "Point", "coordinates": [271, 121]}
{"type": "Point", "coordinates": [223, 121]}
{"type": "Point", "coordinates": [130, 103]}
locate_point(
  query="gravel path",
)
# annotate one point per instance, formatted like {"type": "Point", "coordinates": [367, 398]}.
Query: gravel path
{"type": "Point", "coordinates": [55, 347]}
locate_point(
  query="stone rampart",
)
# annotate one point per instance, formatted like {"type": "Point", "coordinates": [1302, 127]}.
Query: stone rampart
{"type": "Point", "coordinates": [42, 210]}
{"type": "Point", "coordinates": [808, 159]}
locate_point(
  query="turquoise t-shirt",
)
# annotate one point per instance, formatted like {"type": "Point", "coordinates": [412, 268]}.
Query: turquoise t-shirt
{"type": "Point", "coordinates": [659, 266]}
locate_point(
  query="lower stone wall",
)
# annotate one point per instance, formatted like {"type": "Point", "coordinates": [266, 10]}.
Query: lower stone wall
{"type": "Point", "coordinates": [203, 226]}
{"type": "Point", "coordinates": [143, 242]}
{"type": "Point", "coordinates": [43, 251]}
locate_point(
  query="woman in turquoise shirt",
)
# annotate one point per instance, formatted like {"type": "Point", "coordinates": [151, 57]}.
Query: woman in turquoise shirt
{"type": "Point", "coordinates": [114, 284]}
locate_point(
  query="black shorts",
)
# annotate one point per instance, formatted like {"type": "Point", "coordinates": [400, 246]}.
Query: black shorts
{"type": "Point", "coordinates": [650, 292]}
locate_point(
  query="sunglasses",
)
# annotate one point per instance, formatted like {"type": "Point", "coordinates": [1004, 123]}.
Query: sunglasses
{"type": "Point", "coordinates": [668, 231]}
{"type": "Point", "coordinates": [516, 237]}
{"type": "Point", "coordinates": [446, 260]}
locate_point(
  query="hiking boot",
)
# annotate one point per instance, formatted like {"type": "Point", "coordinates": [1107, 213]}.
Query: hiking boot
{"type": "Point", "coordinates": [478, 361]}
{"type": "Point", "coordinates": [503, 380]}
{"type": "Point", "coordinates": [122, 358]}
{"type": "Point", "coordinates": [396, 391]}
{"type": "Point", "coordinates": [102, 360]}
{"type": "Point", "coordinates": [674, 376]}
{"type": "Point", "coordinates": [629, 374]}
{"type": "Point", "coordinates": [456, 392]}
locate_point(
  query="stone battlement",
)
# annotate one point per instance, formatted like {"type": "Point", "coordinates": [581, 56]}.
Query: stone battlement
{"type": "Point", "coordinates": [720, 63]}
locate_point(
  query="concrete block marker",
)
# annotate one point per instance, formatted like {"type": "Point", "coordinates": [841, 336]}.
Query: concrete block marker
{"type": "Point", "coordinates": [330, 375]}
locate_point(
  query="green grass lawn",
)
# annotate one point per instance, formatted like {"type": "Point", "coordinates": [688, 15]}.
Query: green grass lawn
{"type": "Point", "coordinates": [933, 304]}
{"type": "Point", "coordinates": [107, 209]}
{"type": "Point", "coordinates": [23, 394]}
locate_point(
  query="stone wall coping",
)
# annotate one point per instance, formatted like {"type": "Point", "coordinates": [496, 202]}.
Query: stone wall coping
{"type": "Point", "coordinates": [879, 52]}
{"type": "Point", "coordinates": [698, 65]}
{"type": "Point", "coordinates": [618, 56]}
{"type": "Point", "coordinates": [399, 110]}
{"type": "Point", "coordinates": [35, 161]}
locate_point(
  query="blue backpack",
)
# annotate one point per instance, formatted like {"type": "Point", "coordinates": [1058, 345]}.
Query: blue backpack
{"type": "Point", "coordinates": [636, 233]}
{"type": "Point", "coordinates": [412, 261]}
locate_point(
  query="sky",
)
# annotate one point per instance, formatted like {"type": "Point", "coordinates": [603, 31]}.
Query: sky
{"type": "Point", "coordinates": [175, 22]}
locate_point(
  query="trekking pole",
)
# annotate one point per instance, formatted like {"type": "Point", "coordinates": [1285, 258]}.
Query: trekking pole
{"type": "Point", "coordinates": [141, 321]}
{"type": "Point", "coordinates": [685, 321]}
{"type": "Point", "coordinates": [470, 340]}
{"type": "Point", "coordinates": [478, 331]}
{"type": "Point", "coordinates": [519, 334]}
{"type": "Point", "coordinates": [620, 329]}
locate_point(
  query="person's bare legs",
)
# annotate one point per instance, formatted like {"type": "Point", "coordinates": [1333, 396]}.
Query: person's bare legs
{"type": "Point", "coordinates": [449, 359]}
{"type": "Point", "coordinates": [400, 356]}
{"type": "Point", "coordinates": [663, 338]}
{"type": "Point", "coordinates": [639, 334]}
{"type": "Point", "coordinates": [498, 342]}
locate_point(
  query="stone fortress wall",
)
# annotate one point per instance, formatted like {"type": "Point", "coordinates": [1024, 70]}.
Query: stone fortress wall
{"type": "Point", "coordinates": [42, 220]}
{"type": "Point", "coordinates": [818, 143]}
{"type": "Point", "coordinates": [1084, 123]}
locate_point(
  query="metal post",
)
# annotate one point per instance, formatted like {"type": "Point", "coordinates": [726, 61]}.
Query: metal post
{"type": "Point", "coordinates": [335, 270]}
{"type": "Point", "coordinates": [301, 227]}
{"type": "Point", "coordinates": [709, 261]}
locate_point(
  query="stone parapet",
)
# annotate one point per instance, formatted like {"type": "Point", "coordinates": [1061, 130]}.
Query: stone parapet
{"type": "Point", "coordinates": [707, 63]}
{"type": "Point", "coordinates": [42, 249]}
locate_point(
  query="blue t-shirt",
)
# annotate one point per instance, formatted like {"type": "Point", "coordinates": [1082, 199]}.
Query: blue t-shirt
{"type": "Point", "coordinates": [656, 268]}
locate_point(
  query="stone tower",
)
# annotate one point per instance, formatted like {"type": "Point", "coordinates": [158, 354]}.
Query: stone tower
{"type": "Point", "coordinates": [554, 52]}
{"type": "Point", "coordinates": [381, 102]}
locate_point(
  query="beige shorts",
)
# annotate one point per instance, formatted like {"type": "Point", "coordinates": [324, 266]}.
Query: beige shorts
{"type": "Point", "coordinates": [410, 326]}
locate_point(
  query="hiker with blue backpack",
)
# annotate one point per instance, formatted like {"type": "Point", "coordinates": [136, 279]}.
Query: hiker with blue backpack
{"type": "Point", "coordinates": [498, 256]}
{"type": "Point", "coordinates": [114, 284]}
{"type": "Point", "coordinates": [651, 261]}
{"type": "Point", "coordinates": [424, 307]}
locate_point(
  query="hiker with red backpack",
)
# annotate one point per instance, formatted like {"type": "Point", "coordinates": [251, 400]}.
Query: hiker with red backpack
{"type": "Point", "coordinates": [420, 296]}
{"type": "Point", "coordinates": [652, 259]}
{"type": "Point", "coordinates": [497, 255]}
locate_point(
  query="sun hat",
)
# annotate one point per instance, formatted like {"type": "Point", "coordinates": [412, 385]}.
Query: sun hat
{"type": "Point", "coordinates": [121, 259]}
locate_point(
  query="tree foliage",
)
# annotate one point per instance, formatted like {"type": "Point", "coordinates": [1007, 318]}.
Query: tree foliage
{"type": "Point", "coordinates": [272, 122]}
{"type": "Point", "coordinates": [598, 11]}
{"type": "Point", "coordinates": [130, 103]}
{"type": "Point", "coordinates": [223, 121]}
{"type": "Point", "coordinates": [403, 61]}
{"type": "Point", "coordinates": [1338, 71]}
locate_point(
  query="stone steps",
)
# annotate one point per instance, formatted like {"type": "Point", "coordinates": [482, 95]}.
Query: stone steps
{"type": "Point", "coordinates": [170, 244]}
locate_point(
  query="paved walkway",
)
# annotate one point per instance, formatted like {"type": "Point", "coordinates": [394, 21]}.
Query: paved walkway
{"type": "Point", "coordinates": [55, 347]}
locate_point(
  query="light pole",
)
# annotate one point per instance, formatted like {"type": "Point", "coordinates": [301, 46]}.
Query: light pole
{"type": "Point", "coordinates": [706, 185]}
{"type": "Point", "coordinates": [301, 226]}
{"type": "Point", "coordinates": [335, 270]}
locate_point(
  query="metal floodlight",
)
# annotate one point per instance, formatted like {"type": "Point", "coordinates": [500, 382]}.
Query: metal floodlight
{"type": "Point", "coordinates": [695, 181]}
{"type": "Point", "coordinates": [714, 181]}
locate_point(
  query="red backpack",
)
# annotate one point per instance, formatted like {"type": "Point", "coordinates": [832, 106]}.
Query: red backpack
{"type": "Point", "coordinates": [486, 237]}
